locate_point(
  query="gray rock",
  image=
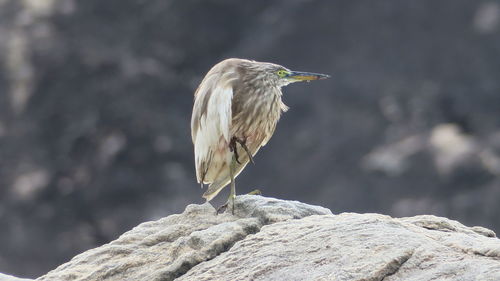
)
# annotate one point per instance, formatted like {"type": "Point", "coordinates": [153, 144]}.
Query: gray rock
{"type": "Point", "coordinates": [358, 247]}
{"type": "Point", "coordinates": [271, 239]}
{"type": "Point", "coordinates": [271, 210]}
{"type": "Point", "coordinates": [4, 277]}
{"type": "Point", "coordinates": [167, 248]}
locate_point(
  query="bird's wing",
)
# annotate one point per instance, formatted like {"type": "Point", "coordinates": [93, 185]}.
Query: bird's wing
{"type": "Point", "coordinates": [211, 123]}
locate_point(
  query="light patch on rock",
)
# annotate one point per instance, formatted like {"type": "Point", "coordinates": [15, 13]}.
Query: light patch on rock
{"type": "Point", "coordinates": [487, 17]}
{"type": "Point", "coordinates": [110, 146]}
{"type": "Point", "coordinates": [393, 159]}
{"type": "Point", "coordinates": [491, 161]}
{"type": "Point", "coordinates": [451, 146]}
{"type": "Point", "coordinates": [39, 7]}
{"type": "Point", "coordinates": [28, 184]}
{"type": "Point", "coordinates": [20, 69]}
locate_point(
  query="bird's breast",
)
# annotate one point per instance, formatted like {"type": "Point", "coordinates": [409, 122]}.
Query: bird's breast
{"type": "Point", "coordinates": [256, 117]}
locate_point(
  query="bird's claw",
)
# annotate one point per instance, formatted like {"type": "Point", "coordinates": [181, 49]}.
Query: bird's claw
{"type": "Point", "coordinates": [255, 192]}
{"type": "Point", "coordinates": [221, 209]}
{"type": "Point", "coordinates": [244, 146]}
{"type": "Point", "coordinates": [232, 148]}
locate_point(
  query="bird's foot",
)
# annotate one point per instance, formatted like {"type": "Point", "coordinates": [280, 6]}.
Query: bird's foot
{"type": "Point", "coordinates": [222, 209]}
{"type": "Point", "coordinates": [232, 148]}
{"type": "Point", "coordinates": [243, 144]}
{"type": "Point", "coordinates": [255, 192]}
{"type": "Point", "coordinates": [228, 204]}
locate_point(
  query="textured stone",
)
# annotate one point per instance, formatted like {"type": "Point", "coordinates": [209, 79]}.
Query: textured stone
{"type": "Point", "coordinates": [4, 277]}
{"type": "Point", "coordinates": [167, 248]}
{"type": "Point", "coordinates": [358, 247]}
{"type": "Point", "coordinates": [271, 239]}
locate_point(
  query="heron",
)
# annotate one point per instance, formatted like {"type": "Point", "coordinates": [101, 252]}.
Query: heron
{"type": "Point", "coordinates": [236, 108]}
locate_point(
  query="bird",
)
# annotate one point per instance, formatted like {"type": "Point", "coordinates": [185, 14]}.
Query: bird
{"type": "Point", "coordinates": [236, 108]}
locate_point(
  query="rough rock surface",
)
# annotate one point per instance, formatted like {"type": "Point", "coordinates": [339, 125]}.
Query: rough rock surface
{"type": "Point", "coordinates": [271, 239]}
{"type": "Point", "coordinates": [167, 248]}
{"type": "Point", "coordinates": [4, 277]}
{"type": "Point", "coordinates": [358, 247]}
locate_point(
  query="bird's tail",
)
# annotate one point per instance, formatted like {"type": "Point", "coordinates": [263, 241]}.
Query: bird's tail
{"type": "Point", "coordinates": [215, 187]}
{"type": "Point", "coordinates": [224, 178]}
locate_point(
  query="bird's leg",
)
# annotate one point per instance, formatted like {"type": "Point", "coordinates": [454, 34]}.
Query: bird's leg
{"type": "Point", "coordinates": [232, 193]}
{"type": "Point", "coordinates": [243, 144]}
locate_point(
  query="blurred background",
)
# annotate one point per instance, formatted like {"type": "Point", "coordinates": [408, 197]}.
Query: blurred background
{"type": "Point", "coordinates": [96, 99]}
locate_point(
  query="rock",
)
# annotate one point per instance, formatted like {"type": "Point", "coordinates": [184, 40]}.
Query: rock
{"type": "Point", "coordinates": [4, 277]}
{"type": "Point", "coordinates": [167, 248]}
{"type": "Point", "coordinates": [271, 239]}
{"type": "Point", "coordinates": [358, 247]}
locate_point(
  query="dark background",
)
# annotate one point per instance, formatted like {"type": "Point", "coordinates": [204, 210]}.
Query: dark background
{"type": "Point", "coordinates": [96, 98]}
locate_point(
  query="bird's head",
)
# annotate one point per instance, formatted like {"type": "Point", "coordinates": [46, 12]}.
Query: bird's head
{"type": "Point", "coordinates": [279, 75]}
{"type": "Point", "coordinates": [286, 76]}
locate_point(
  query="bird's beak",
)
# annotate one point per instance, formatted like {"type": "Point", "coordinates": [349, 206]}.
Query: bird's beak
{"type": "Point", "coordinates": [297, 76]}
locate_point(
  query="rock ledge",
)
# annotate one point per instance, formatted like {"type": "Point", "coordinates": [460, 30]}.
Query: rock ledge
{"type": "Point", "coordinates": [271, 239]}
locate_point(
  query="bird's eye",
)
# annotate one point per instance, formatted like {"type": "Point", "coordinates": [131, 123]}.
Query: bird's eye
{"type": "Point", "coordinates": [281, 73]}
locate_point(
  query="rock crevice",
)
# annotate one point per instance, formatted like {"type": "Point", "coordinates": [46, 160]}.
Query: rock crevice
{"type": "Point", "coordinates": [394, 266]}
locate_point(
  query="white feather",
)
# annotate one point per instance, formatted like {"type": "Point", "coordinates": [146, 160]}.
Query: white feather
{"type": "Point", "coordinates": [212, 137]}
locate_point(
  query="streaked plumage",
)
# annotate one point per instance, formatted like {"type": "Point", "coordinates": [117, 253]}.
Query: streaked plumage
{"type": "Point", "coordinates": [238, 101]}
